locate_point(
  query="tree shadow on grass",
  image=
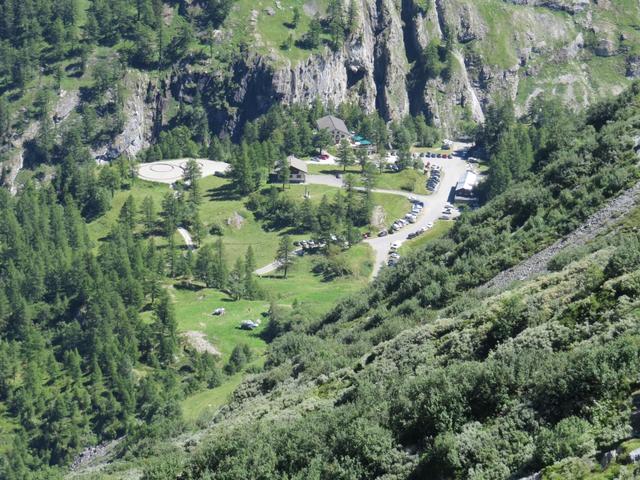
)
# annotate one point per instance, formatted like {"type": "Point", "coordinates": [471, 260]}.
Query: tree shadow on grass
{"type": "Point", "coordinates": [188, 286]}
{"type": "Point", "coordinates": [223, 192]}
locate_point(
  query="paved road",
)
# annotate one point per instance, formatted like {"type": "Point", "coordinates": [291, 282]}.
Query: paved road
{"type": "Point", "coordinates": [434, 204]}
{"type": "Point", "coordinates": [453, 169]}
{"type": "Point", "coordinates": [273, 266]}
{"type": "Point", "coordinates": [186, 236]}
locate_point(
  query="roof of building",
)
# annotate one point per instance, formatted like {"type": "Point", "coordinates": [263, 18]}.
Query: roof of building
{"type": "Point", "coordinates": [298, 164]}
{"type": "Point", "coordinates": [333, 123]}
{"type": "Point", "coordinates": [468, 181]}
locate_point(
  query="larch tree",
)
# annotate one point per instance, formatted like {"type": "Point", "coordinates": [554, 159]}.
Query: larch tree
{"type": "Point", "coordinates": [165, 327]}
{"type": "Point", "coordinates": [345, 155]}
{"type": "Point", "coordinates": [285, 255]}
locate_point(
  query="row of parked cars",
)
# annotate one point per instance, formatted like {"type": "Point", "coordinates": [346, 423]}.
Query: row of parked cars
{"type": "Point", "coordinates": [434, 178]}
{"type": "Point", "coordinates": [449, 212]}
{"type": "Point", "coordinates": [410, 217]}
{"type": "Point", "coordinates": [434, 155]}
{"type": "Point", "coordinates": [394, 256]}
{"type": "Point", "coordinates": [311, 246]}
{"type": "Point", "coordinates": [420, 231]}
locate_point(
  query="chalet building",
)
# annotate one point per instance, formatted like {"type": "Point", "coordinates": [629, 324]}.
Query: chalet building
{"type": "Point", "coordinates": [335, 126]}
{"type": "Point", "coordinates": [298, 171]}
{"type": "Point", "coordinates": [466, 186]}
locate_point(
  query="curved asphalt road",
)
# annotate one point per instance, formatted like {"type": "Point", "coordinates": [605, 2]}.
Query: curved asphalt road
{"type": "Point", "coordinates": [434, 204]}
{"type": "Point", "coordinates": [452, 170]}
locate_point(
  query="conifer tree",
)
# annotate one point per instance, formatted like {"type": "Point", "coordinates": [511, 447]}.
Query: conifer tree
{"type": "Point", "coordinates": [192, 174]}
{"type": "Point", "coordinates": [250, 285]}
{"type": "Point", "coordinates": [148, 214]}
{"type": "Point", "coordinates": [345, 155]}
{"type": "Point", "coordinates": [236, 280]}
{"type": "Point", "coordinates": [284, 255]}
{"type": "Point", "coordinates": [165, 328]}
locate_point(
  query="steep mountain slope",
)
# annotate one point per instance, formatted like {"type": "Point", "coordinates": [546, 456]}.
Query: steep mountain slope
{"type": "Point", "coordinates": [447, 60]}
{"type": "Point", "coordinates": [577, 50]}
{"type": "Point", "coordinates": [422, 375]}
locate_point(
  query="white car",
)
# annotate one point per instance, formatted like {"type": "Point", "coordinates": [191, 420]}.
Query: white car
{"type": "Point", "coordinates": [429, 225]}
{"type": "Point", "coordinates": [395, 245]}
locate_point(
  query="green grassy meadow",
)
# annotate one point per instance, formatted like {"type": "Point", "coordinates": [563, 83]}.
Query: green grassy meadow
{"type": "Point", "coordinates": [194, 304]}
{"type": "Point", "coordinates": [194, 312]}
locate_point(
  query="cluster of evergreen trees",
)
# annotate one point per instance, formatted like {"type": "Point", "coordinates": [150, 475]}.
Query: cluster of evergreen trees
{"type": "Point", "coordinates": [342, 215]}
{"type": "Point", "coordinates": [433, 378]}
{"type": "Point", "coordinates": [71, 338]}
{"type": "Point", "coordinates": [44, 32]}
{"type": "Point", "coordinates": [211, 269]}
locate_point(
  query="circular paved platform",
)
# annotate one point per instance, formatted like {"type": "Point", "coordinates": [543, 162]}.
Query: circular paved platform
{"type": "Point", "coordinates": [170, 171]}
{"type": "Point", "coordinates": [160, 172]}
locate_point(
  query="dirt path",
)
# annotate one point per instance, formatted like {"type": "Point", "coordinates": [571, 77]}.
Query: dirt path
{"type": "Point", "coordinates": [186, 236]}
{"type": "Point", "coordinates": [595, 224]}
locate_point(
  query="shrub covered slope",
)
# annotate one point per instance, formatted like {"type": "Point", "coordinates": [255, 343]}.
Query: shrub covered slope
{"type": "Point", "coordinates": [424, 376]}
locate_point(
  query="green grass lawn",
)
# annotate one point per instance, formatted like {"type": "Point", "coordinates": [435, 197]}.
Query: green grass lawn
{"type": "Point", "coordinates": [194, 308]}
{"type": "Point", "coordinates": [439, 230]}
{"type": "Point", "coordinates": [409, 180]}
{"type": "Point", "coordinates": [269, 32]}
{"type": "Point", "coordinates": [209, 400]}
{"type": "Point", "coordinates": [218, 206]}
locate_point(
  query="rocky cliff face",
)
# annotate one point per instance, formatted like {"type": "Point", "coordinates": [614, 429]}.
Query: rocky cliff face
{"type": "Point", "coordinates": [575, 49]}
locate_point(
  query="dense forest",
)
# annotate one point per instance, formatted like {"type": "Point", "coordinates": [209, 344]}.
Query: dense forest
{"type": "Point", "coordinates": [423, 374]}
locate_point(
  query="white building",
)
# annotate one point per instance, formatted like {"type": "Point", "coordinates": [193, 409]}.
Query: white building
{"type": "Point", "coordinates": [466, 186]}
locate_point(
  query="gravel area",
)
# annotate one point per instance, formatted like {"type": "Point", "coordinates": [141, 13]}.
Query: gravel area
{"type": "Point", "coordinates": [199, 342]}
{"type": "Point", "coordinates": [595, 224]}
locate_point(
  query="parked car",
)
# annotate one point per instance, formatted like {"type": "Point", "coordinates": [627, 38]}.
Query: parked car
{"type": "Point", "coordinates": [249, 325]}
{"type": "Point", "coordinates": [383, 233]}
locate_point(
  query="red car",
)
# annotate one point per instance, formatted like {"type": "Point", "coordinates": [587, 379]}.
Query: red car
{"type": "Point", "coordinates": [323, 156]}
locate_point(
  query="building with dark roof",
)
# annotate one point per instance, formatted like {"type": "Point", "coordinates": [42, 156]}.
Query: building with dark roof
{"type": "Point", "coordinates": [298, 170]}
{"type": "Point", "coordinates": [335, 126]}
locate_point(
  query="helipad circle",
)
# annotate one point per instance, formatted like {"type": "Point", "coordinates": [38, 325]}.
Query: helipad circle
{"type": "Point", "coordinates": [170, 171]}
{"type": "Point", "coordinates": [161, 167]}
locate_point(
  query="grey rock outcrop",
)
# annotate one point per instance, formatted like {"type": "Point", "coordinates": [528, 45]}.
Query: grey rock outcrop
{"type": "Point", "coordinates": [379, 67]}
{"type": "Point", "coordinates": [633, 66]}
